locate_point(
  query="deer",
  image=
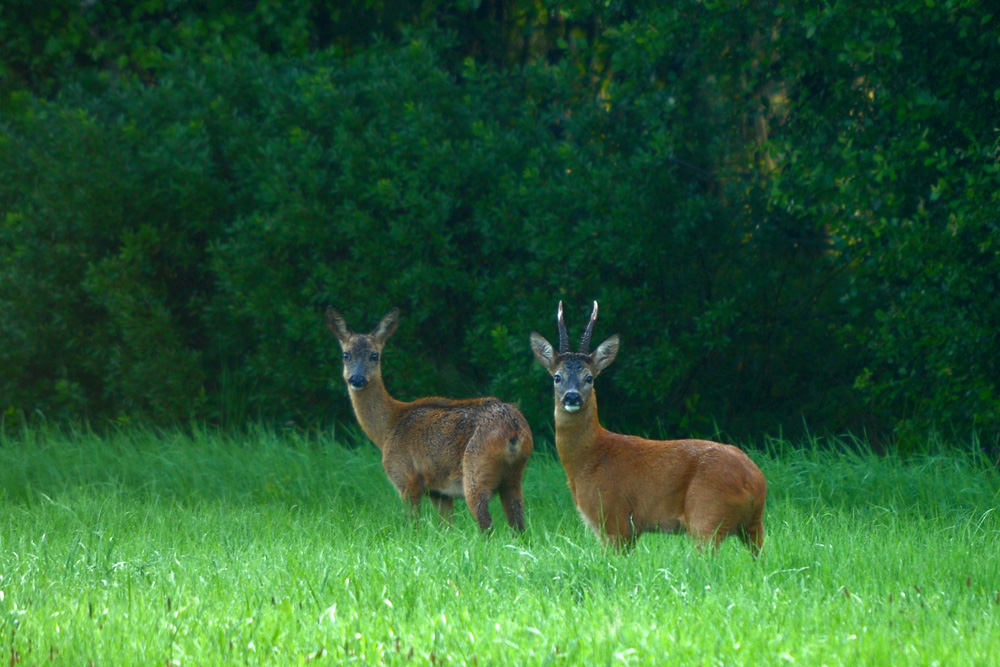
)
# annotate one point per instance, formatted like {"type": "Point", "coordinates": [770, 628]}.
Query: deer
{"type": "Point", "coordinates": [623, 485]}
{"type": "Point", "coordinates": [440, 447]}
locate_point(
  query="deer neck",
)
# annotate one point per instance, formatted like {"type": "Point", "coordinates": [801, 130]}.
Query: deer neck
{"type": "Point", "coordinates": [375, 410]}
{"type": "Point", "coordinates": [576, 434]}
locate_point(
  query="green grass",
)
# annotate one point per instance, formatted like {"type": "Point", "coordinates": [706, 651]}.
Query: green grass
{"type": "Point", "coordinates": [147, 548]}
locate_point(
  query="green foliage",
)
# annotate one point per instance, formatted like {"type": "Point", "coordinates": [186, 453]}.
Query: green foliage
{"type": "Point", "coordinates": [102, 266]}
{"type": "Point", "coordinates": [891, 144]}
{"type": "Point", "coordinates": [86, 318]}
{"type": "Point", "coordinates": [787, 212]}
{"type": "Point", "coordinates": [68, 41]}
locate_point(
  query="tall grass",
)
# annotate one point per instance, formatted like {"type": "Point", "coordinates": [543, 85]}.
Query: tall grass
{"type": "Point", "coordinates": [148, 548]}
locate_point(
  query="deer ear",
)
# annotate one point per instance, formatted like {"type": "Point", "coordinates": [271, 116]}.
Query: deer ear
{"type": "Point", "coordinates": [336, 324]}
{"type": "Point", "coordinates": [543, 351]}
{"type": "Point", "coordinates": [387, 326]}
{"type": "Point", "coordinates": [606, 353]}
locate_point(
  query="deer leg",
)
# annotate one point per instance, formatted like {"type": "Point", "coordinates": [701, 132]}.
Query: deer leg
{"type": "Point", "coordinates": [445, 506]}
{"type": "Point", "coordinates": [619, 533]}
{"type": "Point", "coordinates": [711, 530]}
{"type": "Point", "coordinates": [621, 543]}
{"type": "Point", "coordinates": [477, 497]}
{"type": "Point", "coordinates": [408, 482]}
{"type": "Point", "coordinates": [412, 491]}
{"type": "Point", "coordinates": [414, 510]}
{"type": "Point", "coordinates": [479, 504]}
{"type": "Point", "coordinates": [513, 503]}
{"type": "Point", "coordinates": [752, 535]}
{"type": "Point", "coordinates": [479, 478]}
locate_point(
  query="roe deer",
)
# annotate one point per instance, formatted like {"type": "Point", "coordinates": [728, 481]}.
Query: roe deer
{"type": "Point", "coordinates": [623, 485]}
{"type": "Point", "coordinates": [436, 446]}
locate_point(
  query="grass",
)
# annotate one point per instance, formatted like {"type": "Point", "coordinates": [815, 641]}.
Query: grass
{"type": "Point", "coordinates": [146, 548]}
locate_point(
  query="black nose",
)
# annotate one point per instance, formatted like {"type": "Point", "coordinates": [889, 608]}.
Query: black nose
{"type": "Point", "coordinates": [572, 398]}
{"type": "Point", "coordinates": [357, 381]}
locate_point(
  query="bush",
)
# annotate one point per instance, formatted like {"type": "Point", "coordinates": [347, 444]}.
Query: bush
{"type": "Point", "coordinates": [98, 271]}
{"type": "Point", "coordinates": [785, 225]}
{"type": "Point", "coordinates": [891, 145]}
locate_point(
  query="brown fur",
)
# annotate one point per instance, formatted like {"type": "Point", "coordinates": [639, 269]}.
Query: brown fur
{"type": "Point", "coordinates": [436, 446]}
{"type": "Point", "coordinates": [624, 485]}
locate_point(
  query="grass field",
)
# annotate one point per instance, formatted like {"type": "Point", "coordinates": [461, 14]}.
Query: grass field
{"type": "Point", "coordinates": [147, 548]}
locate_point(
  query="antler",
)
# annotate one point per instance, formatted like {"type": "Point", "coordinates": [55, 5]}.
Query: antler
{"type": "Point", "coordinates": [585, 341]}
{"type": "Point", "coordinates": [563, 336]}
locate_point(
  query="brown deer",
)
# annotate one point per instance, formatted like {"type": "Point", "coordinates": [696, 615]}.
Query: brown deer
{"type": "Point", "coordinates": [624, 485]}
{"type": "Point", "coordinates": [440, 447]}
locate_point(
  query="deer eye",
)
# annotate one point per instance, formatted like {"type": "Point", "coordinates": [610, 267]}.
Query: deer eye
{"type": "Point", "coordinates": [557, 378]}
{"type": "Point", "coordinates": [347, 356]}
{"type": "Point", "coordinates": [590, 379]}
{"type": "Point", "coordinates": [374, 356]}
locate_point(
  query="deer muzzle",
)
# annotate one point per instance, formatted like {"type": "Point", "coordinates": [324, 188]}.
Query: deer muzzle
{"type": "Point", "coordinates": [572, 401]}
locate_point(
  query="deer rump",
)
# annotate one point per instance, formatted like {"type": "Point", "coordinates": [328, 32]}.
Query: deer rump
{"type": "Point", "coordinates": [480, 438]}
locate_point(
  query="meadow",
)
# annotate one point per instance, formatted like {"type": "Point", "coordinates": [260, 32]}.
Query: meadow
{"type": "Point", "coordinates": [144, 547]}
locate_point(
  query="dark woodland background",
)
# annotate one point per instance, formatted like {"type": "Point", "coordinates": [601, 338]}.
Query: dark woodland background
{"type": "Point", "coordinates": [790, 213]}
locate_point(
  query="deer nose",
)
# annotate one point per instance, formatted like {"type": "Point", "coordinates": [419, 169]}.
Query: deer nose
{"type": "Point", "coordinates": [357, 381]}
{"type": "Point", "coordinates": [572, 399]}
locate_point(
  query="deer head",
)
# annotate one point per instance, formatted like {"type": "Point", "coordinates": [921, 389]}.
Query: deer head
{"type": "Point", "coordinates": [573, 373]}
{"type": "Point", "coordinates": [362, 353]}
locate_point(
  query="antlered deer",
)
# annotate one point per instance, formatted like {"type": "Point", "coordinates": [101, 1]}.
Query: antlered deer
{"type": "Point", "coordinates": [623, 485]}
{"type": "Point", "coordinates": [436, 446]}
